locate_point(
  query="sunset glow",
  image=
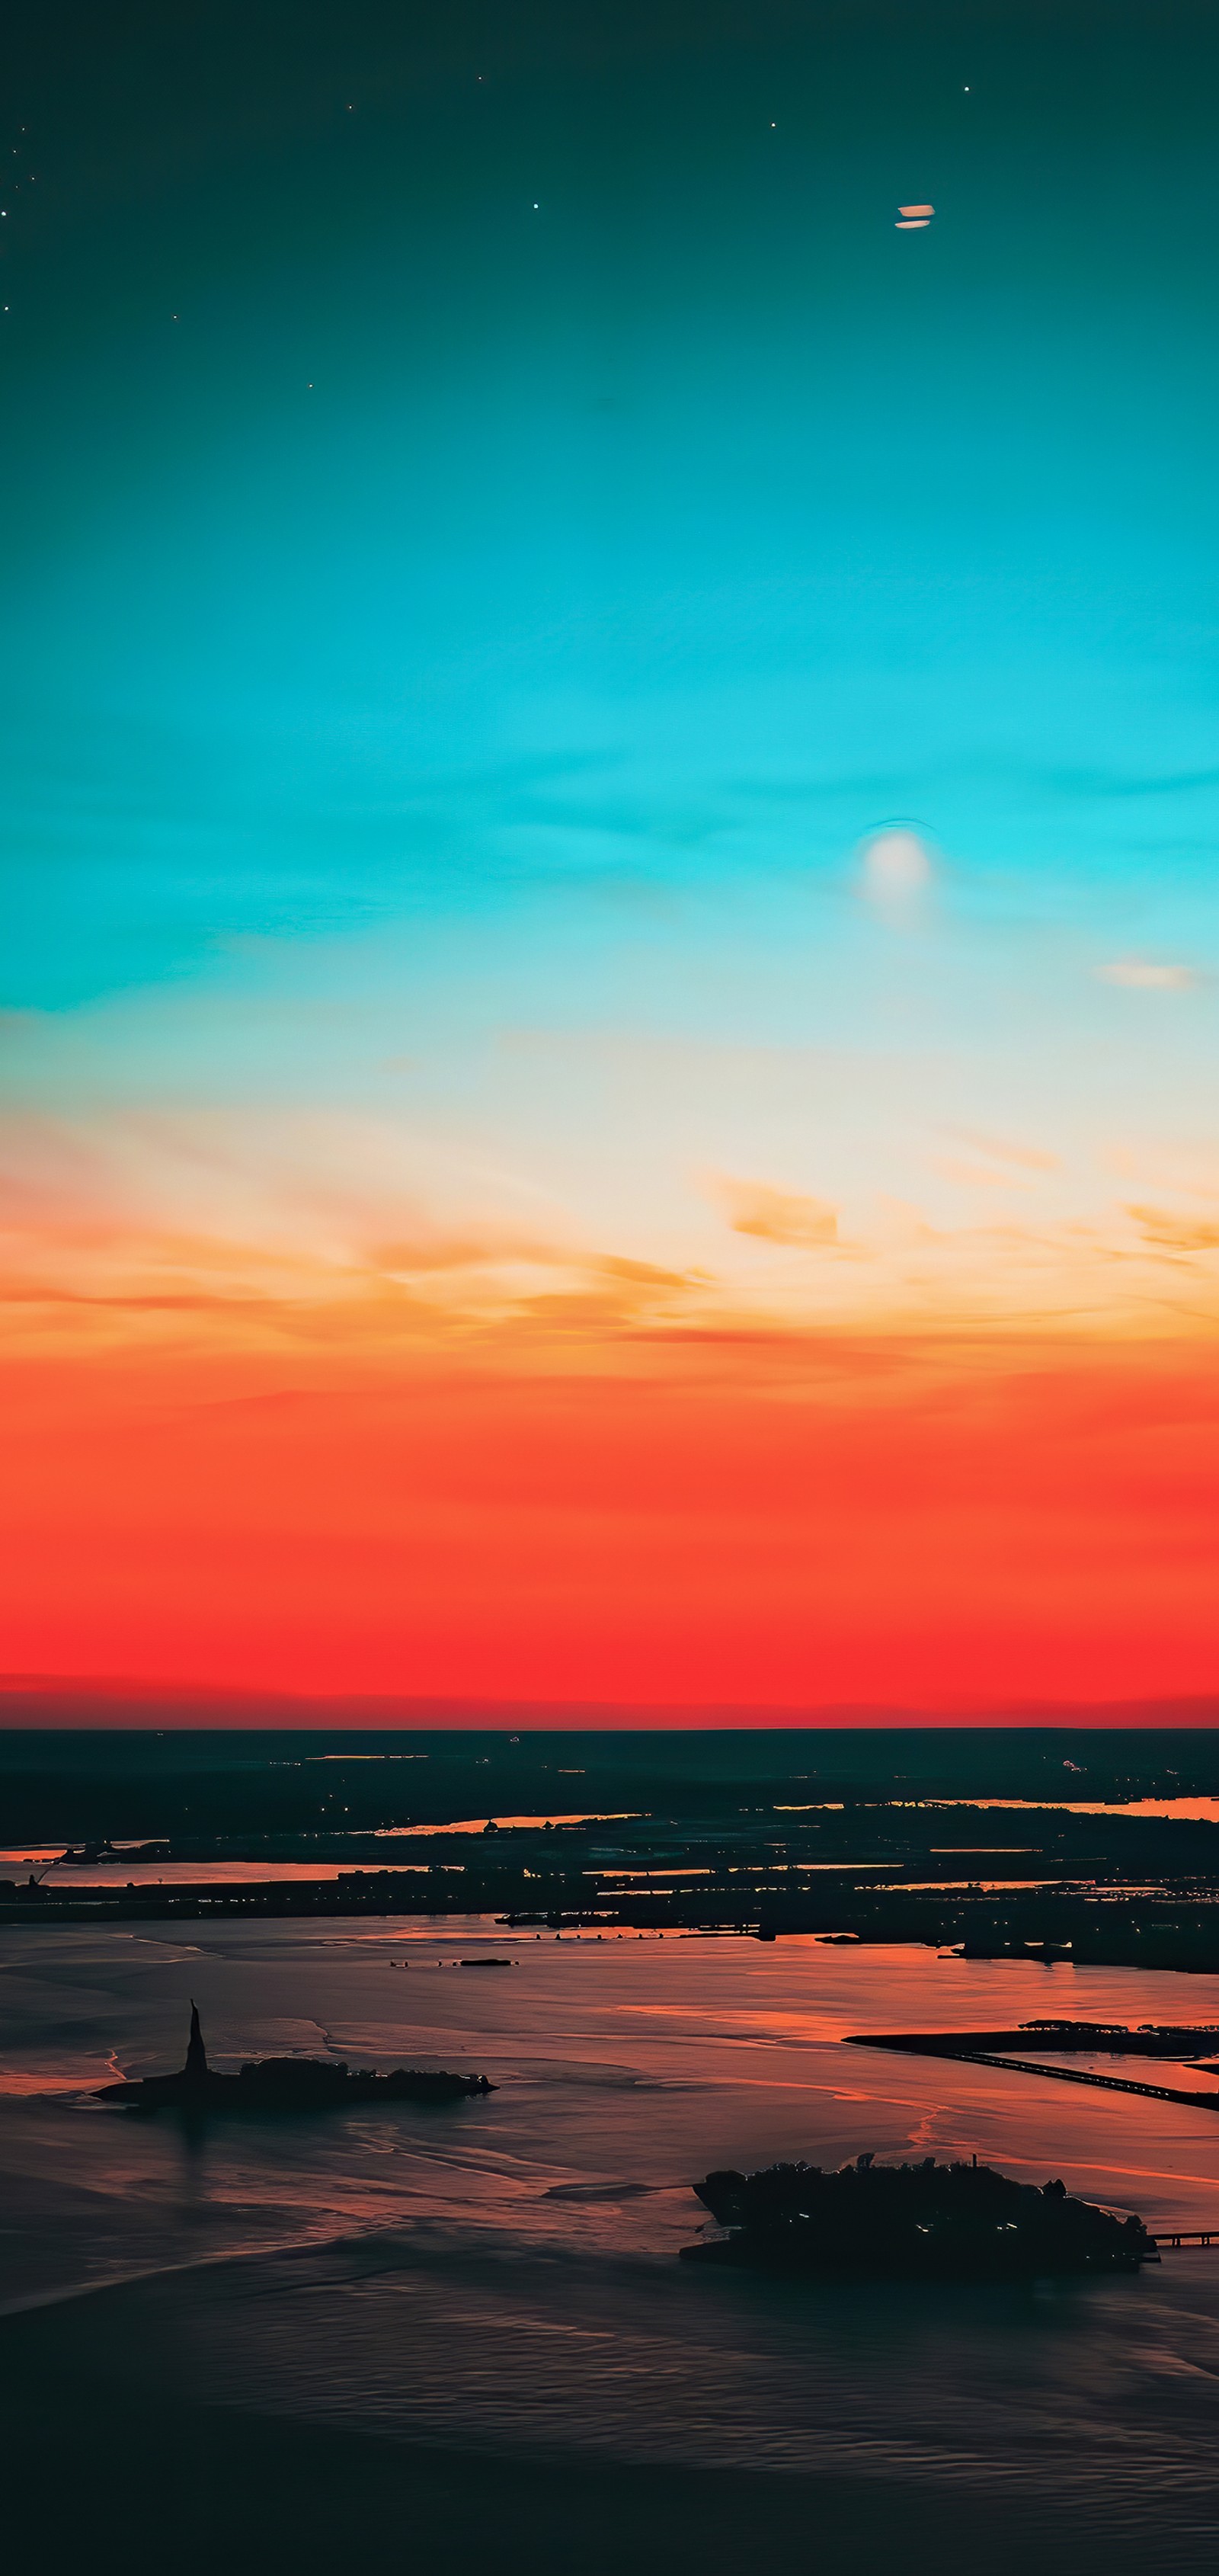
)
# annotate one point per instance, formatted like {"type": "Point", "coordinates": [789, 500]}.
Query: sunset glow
{"type": "Point", "coordinates": [609, 1046]}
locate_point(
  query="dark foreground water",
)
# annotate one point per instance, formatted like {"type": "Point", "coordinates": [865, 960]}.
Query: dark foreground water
{"type": "Point", "coordinates": [404, 2333]}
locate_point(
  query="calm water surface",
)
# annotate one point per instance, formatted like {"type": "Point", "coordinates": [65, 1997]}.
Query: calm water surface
{"type": "Point", "coordinates": [504, 2273]}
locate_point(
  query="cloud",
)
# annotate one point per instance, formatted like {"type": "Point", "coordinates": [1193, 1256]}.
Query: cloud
{"type": "Point", "coordinates": [1029, 1158]}
{"type": "Point", "coordinates": [778, 1216]}
{"type": "Point", "coordinates": [420, 1254]}
{"type": "Point", "coordinates": [638, 1274]}
{"type": "Point", "coordinates": [1176, 1233]}
{"type": "Point", "coordinates": [973, 1176]}
{"type": "Point", "coordinates": [1147, 975]}
{"type": "Point", "coordinates": [490, 1251]}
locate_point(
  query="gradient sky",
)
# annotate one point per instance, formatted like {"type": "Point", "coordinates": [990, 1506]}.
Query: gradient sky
{"type": "Point", "coordinates": [610, 804]}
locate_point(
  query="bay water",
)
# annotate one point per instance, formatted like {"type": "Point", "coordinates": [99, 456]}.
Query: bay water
{"type": "Point", "coordinates": [499, 2279]}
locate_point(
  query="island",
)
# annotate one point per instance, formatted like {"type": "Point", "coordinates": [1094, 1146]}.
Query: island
{"type": "Point", "coordinates": [282, 2084]}
{"type": "Point", "coordinates": [915, 2222]}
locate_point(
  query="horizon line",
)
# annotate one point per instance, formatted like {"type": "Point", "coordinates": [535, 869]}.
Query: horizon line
{"type": "Point", "coordinates": [58, 1701]}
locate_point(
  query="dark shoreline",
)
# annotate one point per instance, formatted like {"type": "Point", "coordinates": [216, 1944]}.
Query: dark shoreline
{"type": "Point", "coordinates": [1067, 1927]}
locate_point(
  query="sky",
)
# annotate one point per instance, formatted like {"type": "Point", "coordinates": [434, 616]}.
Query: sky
{"type": "Point", "coordinates": [609, 808]}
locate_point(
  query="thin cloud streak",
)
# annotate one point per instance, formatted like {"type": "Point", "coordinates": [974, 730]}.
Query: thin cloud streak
{"type": "Point", "coordinates": [778, 1216]}
{"type": "Point", "coordinates": [1147, 975]}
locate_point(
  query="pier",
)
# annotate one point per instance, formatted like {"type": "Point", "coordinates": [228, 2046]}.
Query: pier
{"type": "Point", "coordinates": [963, 2048]}
{"type": "Point", "coordinates": [1079, 2075]}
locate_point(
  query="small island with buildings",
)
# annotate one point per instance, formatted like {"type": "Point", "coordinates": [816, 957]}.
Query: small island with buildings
{"type": "Point", "coordinates": [915, 2222]}
{"type": "Point", "coordinates": [282, 2084]}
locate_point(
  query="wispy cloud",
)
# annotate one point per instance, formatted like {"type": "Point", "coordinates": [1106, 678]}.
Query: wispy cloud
{"type": "Point", "coordinates": [420, 1255]}
{"type": "Point", "coordinates": [1147, 975]}
{"type": "Point", "coordinates": [777, 1216]}
{"type": "Point", "coordinates": [973, 1176]}
{"type": "Point", "coordinates": [1028, 1158]}
{"type": "Point", "coordinates": [1176, 1233]}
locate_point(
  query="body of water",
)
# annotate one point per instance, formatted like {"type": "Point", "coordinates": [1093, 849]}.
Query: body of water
{"type": "Point", "coordinates": [498, 2282]}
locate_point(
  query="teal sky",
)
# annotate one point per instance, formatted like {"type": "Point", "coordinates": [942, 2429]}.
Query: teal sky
{"type": "Point", "coordinates": [495, 520]}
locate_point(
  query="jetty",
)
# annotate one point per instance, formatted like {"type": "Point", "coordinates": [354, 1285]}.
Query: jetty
{"type": "Point", "coordinates": [991, 2047]}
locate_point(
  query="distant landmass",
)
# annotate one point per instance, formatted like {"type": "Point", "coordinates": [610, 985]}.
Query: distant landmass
{"type": "Point", "coordinates": [1072, 1845]}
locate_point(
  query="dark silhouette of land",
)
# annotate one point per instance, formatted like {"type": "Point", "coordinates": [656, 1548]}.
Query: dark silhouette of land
{"type": "Point", "coordinates": [91, 1782]}
{"type": "Point", "coordinates": [924, 2222]}
{"type": "Point", "coordinates": [847, 1834]}
{"type": "Point", "coordinates": [281, 2084]}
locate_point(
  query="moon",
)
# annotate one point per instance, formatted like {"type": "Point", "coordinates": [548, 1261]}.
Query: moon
{"type": "Point", "coordinates": [897, 867]}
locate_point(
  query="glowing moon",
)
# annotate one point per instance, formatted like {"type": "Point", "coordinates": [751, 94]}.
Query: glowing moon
{"type": "Point", "coordinates": [897, 867]}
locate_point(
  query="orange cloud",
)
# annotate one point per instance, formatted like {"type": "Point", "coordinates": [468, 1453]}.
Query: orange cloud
{"type": "Point", "coordinates": [1028, 1158]}
{"type": "Point", "coordinates": [973, 1176]}
{"type": "Point", "coordinates": [778, 1216]}
{"type": "Point", "coordinates": [1176, 1233]}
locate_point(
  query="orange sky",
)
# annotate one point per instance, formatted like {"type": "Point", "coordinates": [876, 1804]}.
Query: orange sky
{"type": "Point", "coordinates": [792, 1521]}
